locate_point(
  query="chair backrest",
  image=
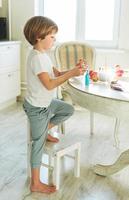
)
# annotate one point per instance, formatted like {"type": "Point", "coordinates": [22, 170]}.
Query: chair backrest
{"type": "Point", "coordinates": [67, 54]}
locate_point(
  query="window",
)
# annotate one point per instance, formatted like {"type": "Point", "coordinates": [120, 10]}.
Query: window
{"type": "Point", "coordinates": [101, 21]}
{"type": "Point", "coordinates": [94, 21]}
{"type": "Point", "coordinates": [63, 12]}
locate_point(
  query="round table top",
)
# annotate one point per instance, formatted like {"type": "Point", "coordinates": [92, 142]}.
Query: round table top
{"type": "Point", "coordinates": [101, 89]}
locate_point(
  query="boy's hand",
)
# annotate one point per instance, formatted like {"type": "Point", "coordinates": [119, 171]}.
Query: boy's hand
{"type": "Point", "coordinates": [82, 64]}
{"type": "Point", "coordinates": [80, 68]}
{"type": "Point", "coordinates": [77, 71]}
{"type": "Point", "coordinates": [56, 72]}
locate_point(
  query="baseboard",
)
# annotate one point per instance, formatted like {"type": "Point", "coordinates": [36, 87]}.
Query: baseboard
{"type": "Point", "coordinates": [8, 103]}
{"type": "Point", "coordinates": [23, 92]}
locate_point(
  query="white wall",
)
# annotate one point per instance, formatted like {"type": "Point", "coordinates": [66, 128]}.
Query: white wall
{"type": "Point", "coordinates": [21, 11]}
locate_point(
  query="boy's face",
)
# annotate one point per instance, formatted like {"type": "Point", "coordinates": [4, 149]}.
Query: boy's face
{"type": "Point", "coordinates": [48, 41]}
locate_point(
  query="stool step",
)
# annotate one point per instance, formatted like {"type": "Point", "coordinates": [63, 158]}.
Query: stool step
{"type": "Point", "coordinates": [64, 142]}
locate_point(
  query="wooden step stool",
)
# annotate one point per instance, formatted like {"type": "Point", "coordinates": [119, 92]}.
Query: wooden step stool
{"type": "Point", "coordinates": [55, 152]}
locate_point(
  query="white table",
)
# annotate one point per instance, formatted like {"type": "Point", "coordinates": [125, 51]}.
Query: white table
{"type": "Point", "coordinates": [100, 98]}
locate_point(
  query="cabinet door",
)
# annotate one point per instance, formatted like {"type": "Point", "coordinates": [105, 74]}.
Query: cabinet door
{"type": "Point", "coordinates": [10, 56]}
{"type": "Point", "coordinates": [9, 85]}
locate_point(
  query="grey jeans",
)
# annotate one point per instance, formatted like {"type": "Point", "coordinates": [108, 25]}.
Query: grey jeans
{"type": "Point", "coordinates": [57, 112]}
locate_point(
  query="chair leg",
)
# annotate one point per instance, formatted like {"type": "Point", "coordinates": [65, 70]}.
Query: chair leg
{"type": "Point", "coordinates": [91, 123]}
{"type": "Point", "coordinates": [77, 162]}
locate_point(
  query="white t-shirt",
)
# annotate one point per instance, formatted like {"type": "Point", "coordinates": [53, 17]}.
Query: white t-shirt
{"type": "Point", "coordinates": [37, 95]}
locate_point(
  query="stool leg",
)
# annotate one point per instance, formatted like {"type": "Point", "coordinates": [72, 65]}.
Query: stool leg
{"type": "Point", "coordinates": [49, 168]}
{"type": "Point", "coordinates": [57, 171]}
{"type": "Point", "coordinates": [50, 160]}
{"type": "Point", "coordinates": [28, 149]}
{"type": "Point", "coordinates": [77, 162]}
{"type": "Point", "coordinates": [28, 160]}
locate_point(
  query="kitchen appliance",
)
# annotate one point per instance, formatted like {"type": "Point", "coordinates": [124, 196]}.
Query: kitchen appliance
{"type": "Point", "coordinates": [3, 28]}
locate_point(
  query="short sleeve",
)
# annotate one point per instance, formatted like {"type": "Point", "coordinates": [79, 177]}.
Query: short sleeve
{"type": "Point", "coordinates": [41, 63]}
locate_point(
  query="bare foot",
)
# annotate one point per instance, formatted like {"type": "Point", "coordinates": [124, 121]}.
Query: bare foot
{"type": "Point", "coordinates": [50, 138]}
{"type": "Point", "coordinates": [43, 188]}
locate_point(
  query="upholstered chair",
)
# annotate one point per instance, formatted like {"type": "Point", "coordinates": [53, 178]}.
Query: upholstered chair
{"type": "Point", "coordinates": [67, 55]}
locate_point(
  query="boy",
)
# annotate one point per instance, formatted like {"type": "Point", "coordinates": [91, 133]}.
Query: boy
{"type": "Point", "coordinates": [42, 109]}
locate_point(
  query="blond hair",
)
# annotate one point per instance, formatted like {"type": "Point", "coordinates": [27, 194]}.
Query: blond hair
{"type": "Point", "coordinates": [38, 27]}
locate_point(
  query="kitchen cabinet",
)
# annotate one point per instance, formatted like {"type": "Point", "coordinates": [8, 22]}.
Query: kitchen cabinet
{"type": "Point", "coordinates": [9, 70]}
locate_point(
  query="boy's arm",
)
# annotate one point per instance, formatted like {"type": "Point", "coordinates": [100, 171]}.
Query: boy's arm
{"type": "Point", "coordinates": [50, 83]}
{"type": "Point", "coordinates": [57, 72]}
{"type": "Point", "coordinates": [81, 64]}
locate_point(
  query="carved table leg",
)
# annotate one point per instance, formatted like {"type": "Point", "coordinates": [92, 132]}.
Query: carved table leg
{"type": "Point", "coordinates": [117, 124]}
{"type": "Point", "coordinates": [106, 170]}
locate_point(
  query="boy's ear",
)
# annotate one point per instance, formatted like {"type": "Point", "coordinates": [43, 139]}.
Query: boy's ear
{"type": "Point", "coordinates": [38, 39]}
